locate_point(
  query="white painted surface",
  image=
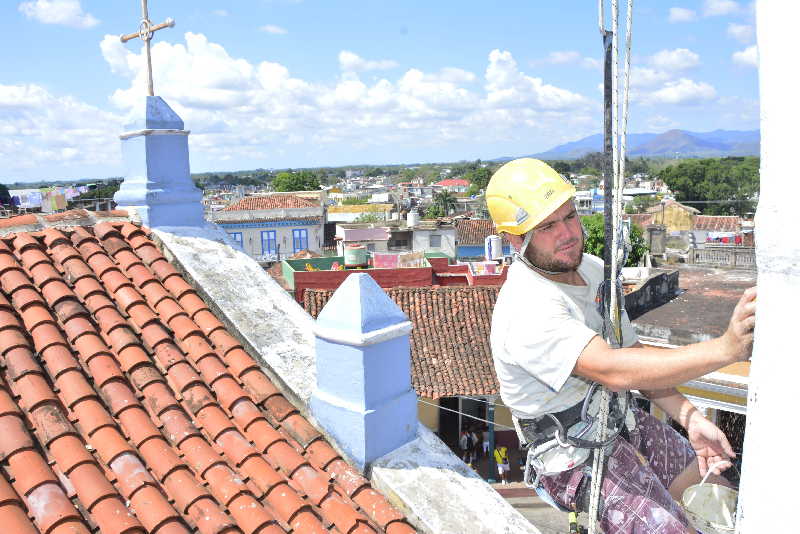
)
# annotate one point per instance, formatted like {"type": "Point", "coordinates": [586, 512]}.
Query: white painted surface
{"type": "Point", "coordinates": [440, 494]}
{"type": "Point", "coordinates": [436, 490]}
{"type": "Point", "coordinates": [769, 476]}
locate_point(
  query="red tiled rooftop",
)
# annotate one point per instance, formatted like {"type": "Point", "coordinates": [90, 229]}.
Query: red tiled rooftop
{"type": "Point", "coordinates": [127, 407]}
{"type": "Point", "coordinates": [450, 353]}
{"type": "Point", "coordinates": [271, 202]}
{"type": "Point", "coordinates": [717, 223]}
{"type": "Point", "coordinates": [475, 231]}
{"type": "Point", "coordinates": [304, 220]}
{"type": "Point", "coordinates": [641, 220]}
{"type": "Point", "coordinates": [453, 182]}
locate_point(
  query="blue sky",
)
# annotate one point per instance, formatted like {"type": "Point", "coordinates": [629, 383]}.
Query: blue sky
{"type": "Point", "coordinates": [303, 83]}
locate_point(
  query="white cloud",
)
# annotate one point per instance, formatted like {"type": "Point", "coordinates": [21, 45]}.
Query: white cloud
{"type": "Point", "coordinates": [221, 12]}
{"type": "Point", "coordinates": [568, 57]}
{"type": "Point", "coordinates": [350, 62]}
{"type": "Point", "coordinates": [680, 14]}
{"type": "Point", "coordinates": [591, 63]}
{"type": "Point", "coordinates": [660, 123]}
{"type": "Point", "coordinates": [508, 86]}
{"type": "Point", "coordinates": [63, 12]}
{"type": "Point", "coordinates": [675, 60]}
{"type": "Point", "coordinates": [715, 8]}
{"type": "Point", "coordinates": [237, 109]}
{"type": "Point", "coordinates": [565, 56]}
{"type": "Point", "coordinates": [747, 57]}
{"type": "Point", "coordinates": [275, 30]}
{"type": "Point", "coordinates": [642, 77]}
{"type": "Point", "coordinates": [683, 91]}
{"type": "Point", "coordinates": [743, 33]}
{"type": "Point", "coordinates": [453, 75]}
{"type": "Point", "coordinates": [39, 128]}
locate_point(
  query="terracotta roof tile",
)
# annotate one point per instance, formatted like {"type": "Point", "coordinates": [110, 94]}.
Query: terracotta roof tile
{"type": "Point", "coordinates": [450, 353]}
{"type": "Point", "coordinates": [475, 231]}
{"type": "Point", "coordinates": [717, 223]}
{"type": "Point", "coordinates": [641, 219]}
{"type": "Point", "coordinates": [140, 412]}
{"type": "Point", "coordinates": [271, 202]}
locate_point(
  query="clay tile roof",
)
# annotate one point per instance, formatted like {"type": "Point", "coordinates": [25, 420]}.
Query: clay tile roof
{"type": "Point", "coordinates": [474, 231]}
{"type": "Point", "coordinates": [453, 182]}
{"type": "Point", "coordinates": [641, 219]}
{"type": "Point", "coordinates": [253, 220]}
{"type": "Point", "coordinates": [450, 353]}
{"type": "Point", "coordinates": [271, 202]}
{"type": "Point", "coordinates": [127, 406]}
{"type": "Point", "coordinates": [717, 223]}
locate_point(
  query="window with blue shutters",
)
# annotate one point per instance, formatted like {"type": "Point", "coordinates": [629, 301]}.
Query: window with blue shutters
{"type": "Point", "coordinates": [300, 239]}
{"type": "Point", "coordinates": [269, 242]}
{"type": "Point", "coordinates": [237, 238]}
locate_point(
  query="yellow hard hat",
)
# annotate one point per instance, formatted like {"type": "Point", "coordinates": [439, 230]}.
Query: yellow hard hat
{"type": "Point", "coordinates": [523, 193]}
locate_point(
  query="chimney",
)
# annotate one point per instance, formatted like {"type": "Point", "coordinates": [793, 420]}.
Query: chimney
{"type": "Point", "coordinates": [158, 185]}
{"type": "Point", "coordinates": [363, 397]}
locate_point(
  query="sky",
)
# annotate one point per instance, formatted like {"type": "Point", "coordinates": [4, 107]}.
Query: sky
{"type": "Point", "coordinates": [307, 83]}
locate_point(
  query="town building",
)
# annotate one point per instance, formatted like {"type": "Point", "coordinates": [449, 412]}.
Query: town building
{"type": "Point", "coordinates": [353, 212]}
{"type": "Point", "coordinates": [273, 226]}
{"type": "Point", "coordinates": [453, 185]}
{"type": "Point", "coordinates": [289, 425]}
{"type": "Point", "coordinates": [471, 237]}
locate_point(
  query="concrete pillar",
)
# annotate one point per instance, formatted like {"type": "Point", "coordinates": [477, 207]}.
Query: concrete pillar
{"type": "Point", "coordinates": [157, 182]}
{"type": "Point", "coordinates": [769, 477]}
{"type": "Point", "coordinates": [364, 397]}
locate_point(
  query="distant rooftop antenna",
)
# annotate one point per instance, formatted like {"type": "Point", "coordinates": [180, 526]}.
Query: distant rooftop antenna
{"type": "Point", "coordinates": [145, 33]}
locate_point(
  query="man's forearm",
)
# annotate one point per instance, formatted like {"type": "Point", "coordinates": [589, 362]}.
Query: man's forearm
{"type": "Point", "coordinates": [650, 368]}
{"type": "Point", "coordinates": [674, 404]}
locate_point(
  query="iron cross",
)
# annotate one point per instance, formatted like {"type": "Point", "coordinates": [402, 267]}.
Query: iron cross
{"type": "Point", "coordinates": [145, 33]}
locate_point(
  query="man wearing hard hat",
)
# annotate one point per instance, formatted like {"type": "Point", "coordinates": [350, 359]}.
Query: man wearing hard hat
{"type": "Point", "coordinates": [549, 358]}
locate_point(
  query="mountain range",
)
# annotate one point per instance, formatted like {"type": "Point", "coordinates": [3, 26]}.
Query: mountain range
{"type": "Point", "coordinates": [670, 144]}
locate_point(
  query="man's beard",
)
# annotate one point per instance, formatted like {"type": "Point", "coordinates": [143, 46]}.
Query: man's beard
{"type": "Point", "coordinates": [547, 262]}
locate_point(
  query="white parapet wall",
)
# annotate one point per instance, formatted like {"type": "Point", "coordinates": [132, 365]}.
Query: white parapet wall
{"type": "Point", "coordinates": [768, 475]}
{"type": "Point", "coordinates": [433, 487]}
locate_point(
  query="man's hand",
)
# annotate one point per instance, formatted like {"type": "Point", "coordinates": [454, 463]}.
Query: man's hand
{"type": "Point", "coordinates": [739, 336]}
{"type": "Point", "coordinates": [710, 444]}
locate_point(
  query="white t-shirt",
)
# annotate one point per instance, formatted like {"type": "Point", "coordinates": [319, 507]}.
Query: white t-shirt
{"type": "Point", "coordinates": [539, 328]}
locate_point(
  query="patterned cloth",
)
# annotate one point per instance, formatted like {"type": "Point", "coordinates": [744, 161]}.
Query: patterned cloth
{"type": "Point", "coordinates": [635, 499]}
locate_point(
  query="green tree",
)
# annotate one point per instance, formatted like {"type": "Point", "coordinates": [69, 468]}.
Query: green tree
{"type": "Point", "coordinates": [295, 181]}
{"type": "Point", "coordinates": [101, 191]}
{"type": "Point", "coordinates": [354, 201]}
{"type": "Point", "coordinates": [640, 203]}
{"type": "Point", "coordinates": [595, 239]}
{"type": "Point", "coordinates": [369, 218]}
{"type": "Point", "coordinates": [730, 184]}
{"type": "Point", "coordinates": [434, 211]}
{"type": "Point", "coordinates": [562, 167]}
{"type": "Point", "coordinates": [479, 178]}
{"type": "Point", "coordinates": [446, 202]}
{"type": "Point", "coordinates": [5, 196]}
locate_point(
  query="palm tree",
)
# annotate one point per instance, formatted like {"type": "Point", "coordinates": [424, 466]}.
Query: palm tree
{"type": "Point", "coordinates": [446, 201]}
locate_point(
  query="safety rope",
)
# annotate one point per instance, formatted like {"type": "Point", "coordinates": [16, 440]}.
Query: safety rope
{"type": "Point", "coordinates": [612, 313]}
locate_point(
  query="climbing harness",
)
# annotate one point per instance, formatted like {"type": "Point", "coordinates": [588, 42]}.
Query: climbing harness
{"type": "Point", "coordinates": [611, 298]}
{"type": "Point", "coordinates": [562, 441]}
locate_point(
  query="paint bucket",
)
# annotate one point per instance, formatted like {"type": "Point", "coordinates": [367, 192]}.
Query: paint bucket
{"type": "Point", "coordinates": [711, 508]}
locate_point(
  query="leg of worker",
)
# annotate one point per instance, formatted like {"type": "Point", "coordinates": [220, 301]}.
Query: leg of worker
{"type": "Point", "coordinates": [670, 454]}
{"type": "Point", "coordinates": [634, 499]}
